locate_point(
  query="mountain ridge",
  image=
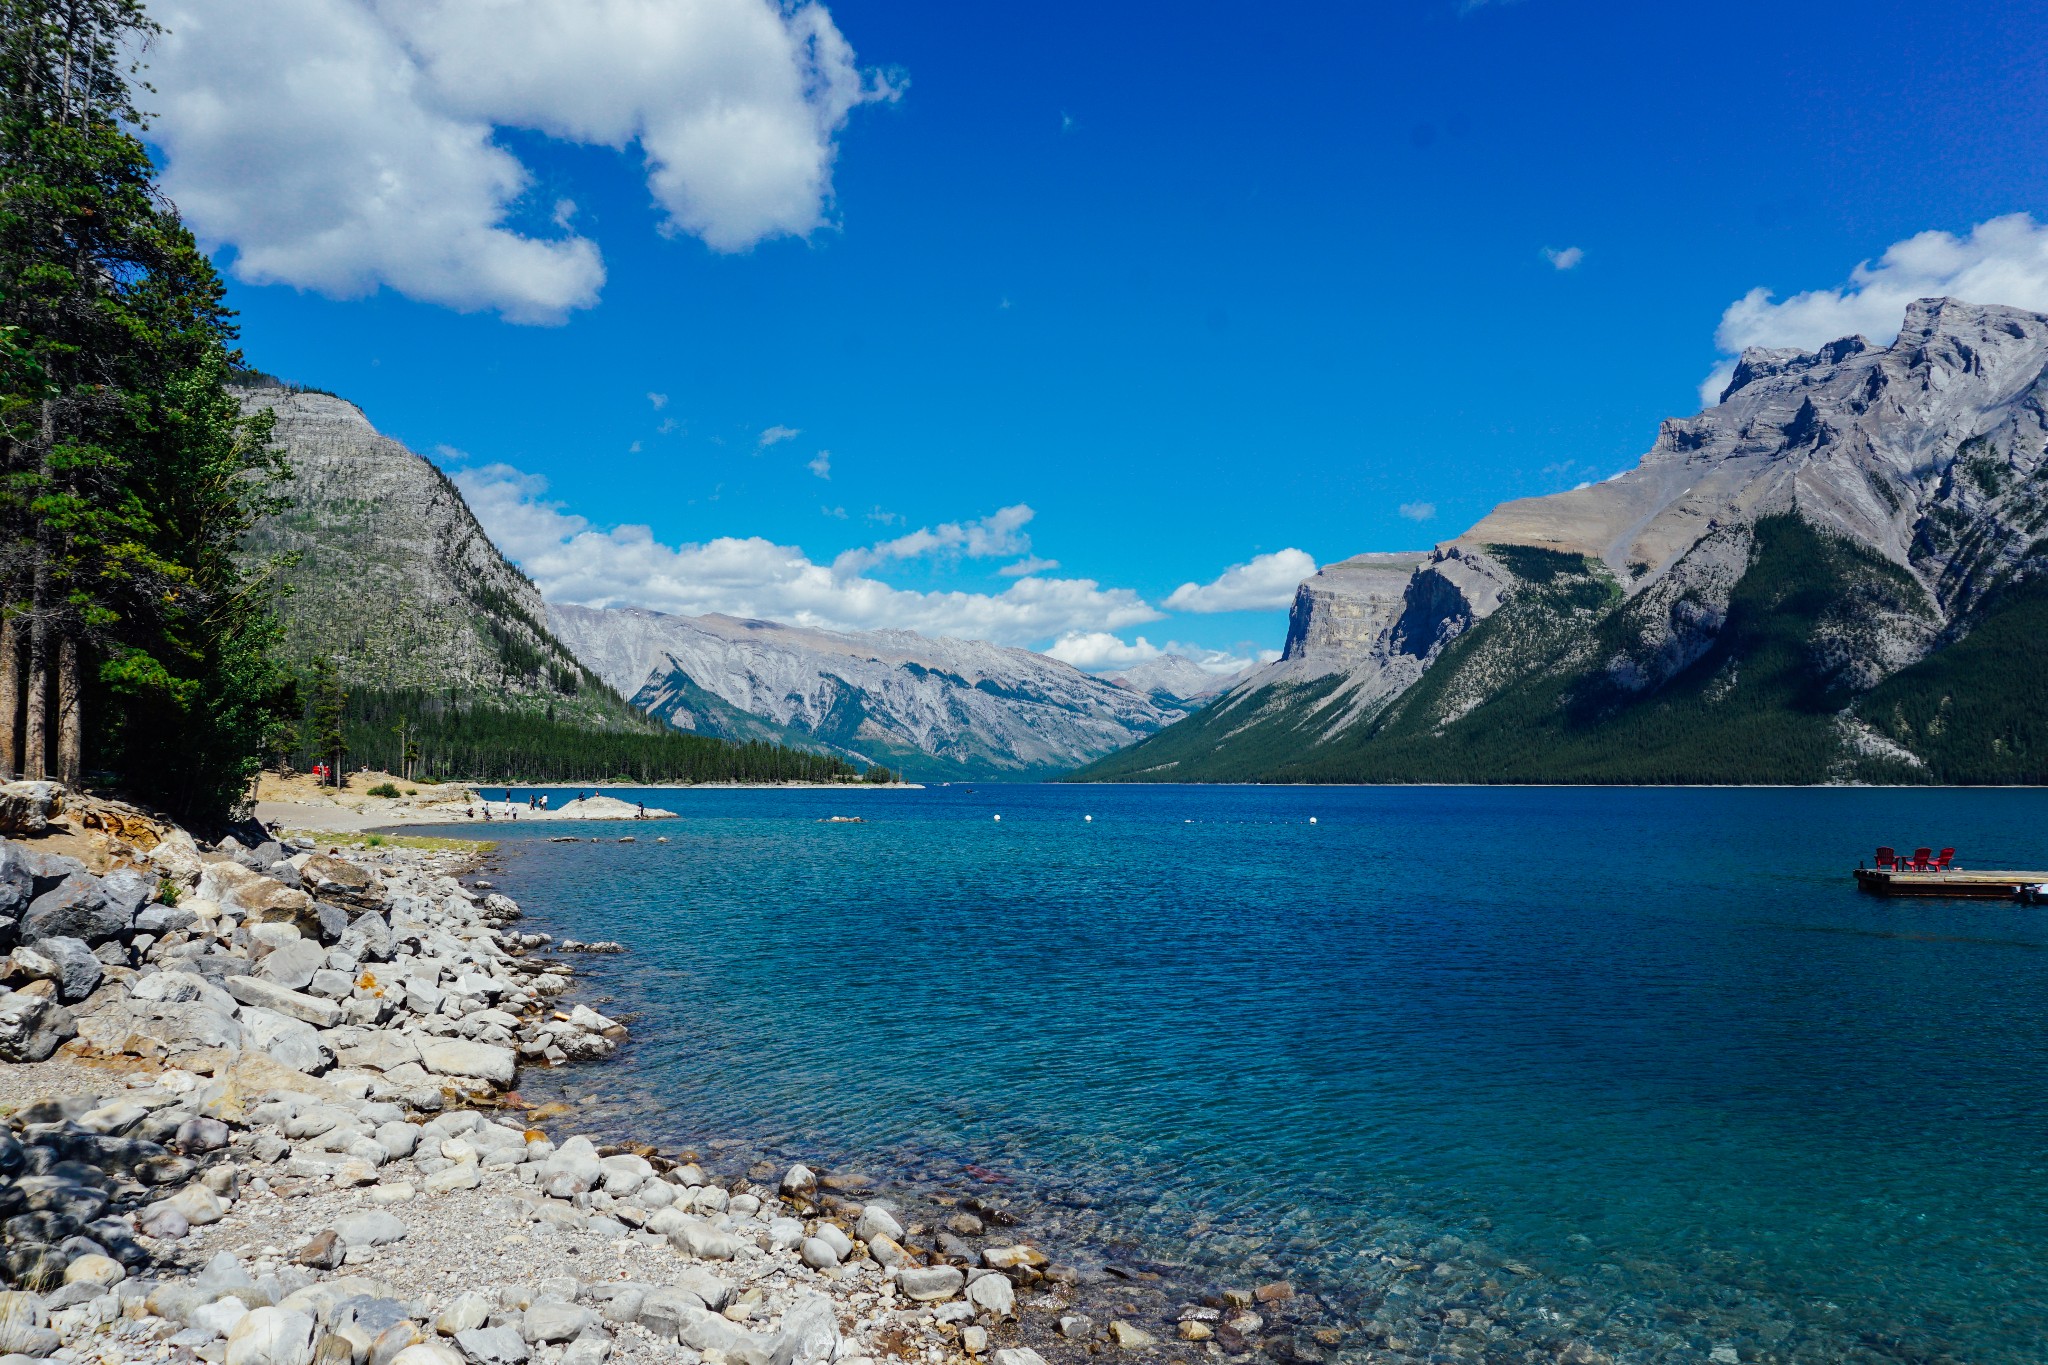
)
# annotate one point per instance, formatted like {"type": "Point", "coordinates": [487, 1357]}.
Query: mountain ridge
{"type": "Point", "coordinates": [938, 707]}
{"type": "Point", "coordinates": [1907, 480]}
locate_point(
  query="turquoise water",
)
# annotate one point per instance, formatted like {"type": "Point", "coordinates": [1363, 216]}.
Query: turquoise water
{"type": "Point", "coordinates": [1635, 1068]}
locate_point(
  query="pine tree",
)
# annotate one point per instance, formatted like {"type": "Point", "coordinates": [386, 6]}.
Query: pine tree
{"type": "Point", "coordinates": [330, 718]}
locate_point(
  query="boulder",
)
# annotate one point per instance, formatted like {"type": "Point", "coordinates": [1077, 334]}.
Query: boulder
{"type": "Point", "coordinates": [76, 907]}
{"type": "Point", "coordinates": [179, 988]}
{"type": "Point", "coordinates": [470, 1060]}
{"type": "Point", "coordinates": [198, 1205]}
{"type": "Point", "coordinates": [463, 1313]}
{"type": "Point", "coordinates": [930, 1284]}
{"type": "Point", "coordinates": [176, 860]}
{"type": "Point", "coordinates": [17, 883]}
{"type": "Point", "coordinates": [333, 876]}
{"type": "Point", "coordinates": [422, 1353]}
{"type": "Point", "coordinates": [289, 1041]}
{"type": "Point", "coordinates": [128, 889]}
{"type": "Point", "coordinates": [809, 1333]}
{"type": "Point", "coordinates": [67, 962]}
{"type": "Point", "coordinates": [876, 1220]}
{"type": "Point", "coordinates": [163, 919]}
{"type": "Point", "coordinates": [269, 995]}
{"type": "Point", "coordinates": [492, 1345]}
{"type": "Point", "coordinates": [369, 939]}
{"type": "Point", "coordinates": [291, 964]}
{"type": "Point", "coordinates": [32, 1027]}
{"type": "Point", "coordinates": [704, 1240]}
{"type": "Point", "coordinates": [271, 1336]}
{"type": "Point", "coordinates": [158, 1029]}
{"type": "Point", "coordinates": [29, 807]}
{"type": "Point", "coordinates": [551, 1322]}
{"type": "Point", "coordinates": [993, 1295]}
{"type": "Point", "coordinates": [377, 1050]}
{"type": "Point", "coordinates": [369, 1228]}
{"type": "Point", "coordinates": [463, 1175]}
{"type": "Point", "coordinates": [257, 898]}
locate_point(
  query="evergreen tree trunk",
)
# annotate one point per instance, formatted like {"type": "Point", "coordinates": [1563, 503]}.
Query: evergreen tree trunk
{"type": "Point", "coordinates": [35, 742]}
{"type": "Point", "coordinates": [10, 701]}
{"type": "Point", "coordinates": [70, 715]}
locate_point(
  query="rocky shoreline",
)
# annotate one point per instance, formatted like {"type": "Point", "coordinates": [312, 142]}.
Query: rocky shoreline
{"type": "Point", "coordinates": [261, 1111]}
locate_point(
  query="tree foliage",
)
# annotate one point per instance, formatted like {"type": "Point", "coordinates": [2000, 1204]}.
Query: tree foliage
{"type": "Point", "coordinates": [465, 739]}
{"type": "Point", "coordinates": [128, 475]}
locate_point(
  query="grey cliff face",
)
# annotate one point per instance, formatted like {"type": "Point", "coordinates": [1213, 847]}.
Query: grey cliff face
{"type": "Point", "coordinates": [878, 696]}
{"type": "Point", "coordinates": [1928, 452]}
{"type": "Point", "coordinates": [1859, 440]}
{"type": "Point", "coordinates": [395, 579]}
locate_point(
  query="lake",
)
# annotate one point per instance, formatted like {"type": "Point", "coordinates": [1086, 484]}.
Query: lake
{"type": "Point", "coordinates": [1488, 1070]}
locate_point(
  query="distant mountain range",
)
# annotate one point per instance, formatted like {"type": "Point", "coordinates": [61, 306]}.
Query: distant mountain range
{"type": "Point", "coordinates": [1837, 573]}
{"type": "Point", "coordinates": [1174, 680]}
{"type": "Point", "coordinates": [390, 575]}
{"type": "Point", "coordinates": [934, 708]}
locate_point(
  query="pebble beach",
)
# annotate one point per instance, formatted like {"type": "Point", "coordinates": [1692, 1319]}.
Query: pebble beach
{"type": "Point", "coordinates": [261, 1108]}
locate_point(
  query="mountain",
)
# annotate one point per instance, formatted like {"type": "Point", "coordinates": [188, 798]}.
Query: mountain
{"type": "Point", "coordinates": [931, 707]}
{"type": "Point", "coordinates": [393, 577]}
{"type": "Point", "coordinates": [1173, 681]}
{"type": "Point", "coordinates": [1834, 574]}
{"type": "Point", "coordinates": [443, 644]}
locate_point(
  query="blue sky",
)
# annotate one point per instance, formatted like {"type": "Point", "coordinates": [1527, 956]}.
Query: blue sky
{"type": "Point", "coordinates": [1193, 283]}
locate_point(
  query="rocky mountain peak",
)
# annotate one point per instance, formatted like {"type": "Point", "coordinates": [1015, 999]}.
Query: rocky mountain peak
{"type": "Point", "coordinates": [933, 707]}
{"type": "Point", "coordinates": [1902, 488]}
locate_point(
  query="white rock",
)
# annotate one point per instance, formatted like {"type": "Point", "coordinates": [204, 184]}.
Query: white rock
{"type": "Point", "coordinates": [878, 1219]}
{"type": "Point", "coordinates": [462, 1176]}
{"type": "Point", "coordinates": [271, 1336]}
{"type": "Point", "coordinates": [467, 1311]}
{"type": "Point", "coordinates": [219, 1317]}
{"type": "Point", "coordinates": [369, 1228]}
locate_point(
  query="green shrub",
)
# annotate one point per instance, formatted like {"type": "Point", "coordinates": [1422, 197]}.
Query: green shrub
{"type": "Point", "coordinates": [384, 789]}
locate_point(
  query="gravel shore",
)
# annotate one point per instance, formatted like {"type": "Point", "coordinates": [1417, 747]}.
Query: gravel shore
{"type": "Point", "coordinates": [260, 1110]}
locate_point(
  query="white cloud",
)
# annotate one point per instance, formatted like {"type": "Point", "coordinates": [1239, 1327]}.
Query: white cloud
{"type": "Point", "coordinates": [659, 400]}
{"type": "Point", "coordinates": [821, 464]}
{"type": "Point", "coordinates": [573, 561]}
{"type": "Point", "coordinates": [776, 435]}
{"type": "Point", "coordinates": [2002, 260]}
{"type": "Point", "coordinates": [998, 534]}
{"type": "Point", "coordinates": [1267, 582]}
{"type": "Point", "coordinates": [344, 145]}
{"type": "Point", "coordinates": [1028, 565]}
{"type": "Point", "coordinates": [1099, 651]}
{"type": "Point", "coordinates": [1417, 511]}
{"type": "Point", "coordinates": [1565, 259]}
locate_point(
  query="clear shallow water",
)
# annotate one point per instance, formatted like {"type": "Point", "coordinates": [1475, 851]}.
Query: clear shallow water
{"type": "Point", "coordinates": [1633, 1067]}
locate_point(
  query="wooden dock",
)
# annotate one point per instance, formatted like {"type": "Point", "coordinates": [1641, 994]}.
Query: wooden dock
{"type": "Point", "coordinates": [1955, 882]}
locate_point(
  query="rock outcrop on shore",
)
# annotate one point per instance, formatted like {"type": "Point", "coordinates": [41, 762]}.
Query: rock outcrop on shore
{"type": "Point", "coordinates": [294, 1144]}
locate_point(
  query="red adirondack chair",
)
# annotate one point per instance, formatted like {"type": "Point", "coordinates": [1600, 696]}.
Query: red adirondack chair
{"type": "Point", "coordinates": [1887, 859]}
{"type": "Point", "coordinates": [1941, 862]}
{"type": "Point", "coordinates": [1923, 860]}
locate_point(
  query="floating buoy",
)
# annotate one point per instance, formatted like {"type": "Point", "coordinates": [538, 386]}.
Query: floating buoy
{"type": "Point", "coordinates": [1311, 819]}
{"type": "Point", "coordinates": [1087, 819]}
{"type": "Point", "coordinates": [999, 817]}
